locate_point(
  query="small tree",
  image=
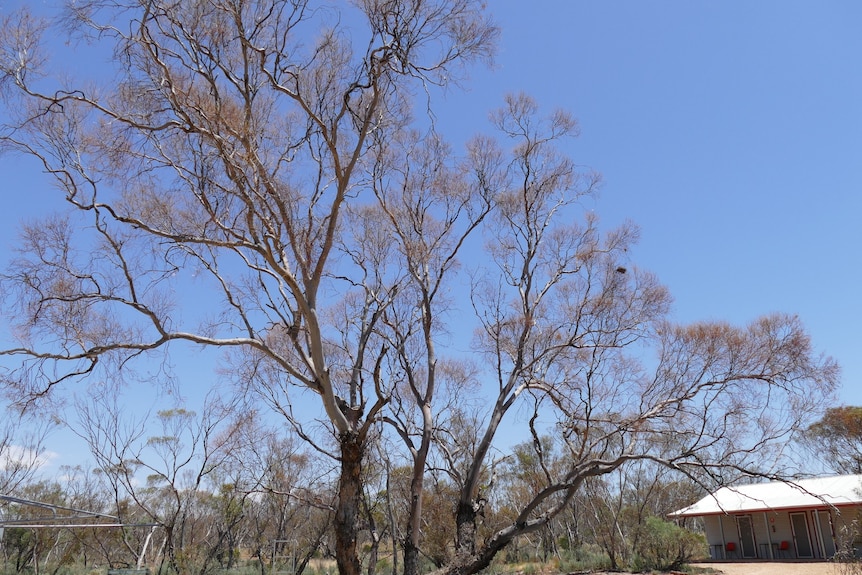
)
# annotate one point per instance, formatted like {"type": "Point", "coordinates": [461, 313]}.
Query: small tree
{"type": "Point", "coordinates": [22, 449]}
{"type": "Point", "coordinates": [836, 439]}
{"type": "Point", "coordinates": [174, 465]}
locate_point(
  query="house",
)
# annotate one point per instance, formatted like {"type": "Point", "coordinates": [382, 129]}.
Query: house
{"type": "Point", "coordinates": [803, 519]}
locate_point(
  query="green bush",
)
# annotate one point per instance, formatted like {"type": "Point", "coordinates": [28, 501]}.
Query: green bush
{"type": "Point", "coordinates": [664, 546]}
{"type": "Point", "coordinates": [583, 558]}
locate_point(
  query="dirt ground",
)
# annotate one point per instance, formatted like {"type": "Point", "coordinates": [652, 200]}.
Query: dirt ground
{"type": "Point", "coordinates": [777, 568]}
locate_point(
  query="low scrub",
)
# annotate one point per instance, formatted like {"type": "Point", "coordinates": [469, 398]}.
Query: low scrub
{"type": "Point", "coordinates": [664, 546]}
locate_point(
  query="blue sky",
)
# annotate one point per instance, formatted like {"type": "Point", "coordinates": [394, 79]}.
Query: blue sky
{"type": "Point", "coordinates": [731, 132]}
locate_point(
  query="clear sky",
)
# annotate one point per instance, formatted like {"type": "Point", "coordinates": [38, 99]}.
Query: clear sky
{"type": "Point", "coordinates": [730, 131]}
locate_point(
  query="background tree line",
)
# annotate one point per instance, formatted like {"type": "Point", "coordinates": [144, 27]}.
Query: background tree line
{"type": "Point", "coordinates": [225, 493]}
{"type": "Point", "coordinates": [216, 494]}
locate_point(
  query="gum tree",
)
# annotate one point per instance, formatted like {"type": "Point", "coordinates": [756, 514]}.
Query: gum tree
{"type": "Point", "coordinates": [836, 438]}
{"type": "Point", "coordinates": [237, 141]}
{"type": "Point", "coordinates": [579, 342]}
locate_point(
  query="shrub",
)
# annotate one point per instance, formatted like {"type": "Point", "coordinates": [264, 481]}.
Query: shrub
{"type": "Point", "coordinates": [664, 545]}
{"type": "Point", "coordinates": [847, 555]}
{"type": "Point", "coordinates": [583, 558]}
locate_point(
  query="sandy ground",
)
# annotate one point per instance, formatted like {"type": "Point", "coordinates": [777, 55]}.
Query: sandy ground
{"type": "Point", "coordinates": [777, 568]}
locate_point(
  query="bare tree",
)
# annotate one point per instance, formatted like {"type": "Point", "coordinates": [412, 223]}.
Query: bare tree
{"type": "Point", "coordinates": [286, 497]}
{"type": "Point", "coordinates": [232, 146]}
{"type": "Point", "coordinates": [251, 186]}
{"type": "Point", "coordinates": [431, 209]}
{"type": "Point", "coordinates": [86, 489]}
{"type": "Point", "coordinates": [166, 475]}
{"type": "Point", "coordinates": [22, 449]}
{"type": "Point", "coordinates": [566, 323]}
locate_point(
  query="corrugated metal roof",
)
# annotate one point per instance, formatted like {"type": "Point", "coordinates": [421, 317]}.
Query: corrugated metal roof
{"type": "Point", "coordinates": [819, 492]}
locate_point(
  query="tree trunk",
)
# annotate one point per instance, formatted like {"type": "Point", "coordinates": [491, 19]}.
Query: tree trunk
{"type": "Point", "coordinates": [470, 563]}
{"type": "Point", "coordinates": [412, 536]}
{"type": "Point", "coordinates": [468, 560]}
{"type": "Point", "coordinates": [374, 552]}
{"type": "Point", "coordinates": [465, 525]}
{"type": "Point", "coordinates": [348, 505]}
{"type": "Point", "coordinates": [411, 557]}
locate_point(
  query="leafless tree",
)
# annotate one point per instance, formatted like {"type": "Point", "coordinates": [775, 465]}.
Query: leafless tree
{"type": "Point", "coordinates": [567, 324]}
{"type": "Point", "coordinates": [22, 449]}
{"type": "Point", "coordinates": [85, 489]}
{"type": "Point", "coordinates": [285, 496]}
{"type": "Point", "coordinates": [233, 145]}
{"type": "Point", "coordinates": [255, 180]}
{"type": "Point", "coordinates": [165, 476]}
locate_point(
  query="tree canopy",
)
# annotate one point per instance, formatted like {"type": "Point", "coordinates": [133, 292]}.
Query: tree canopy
{"type": "Point", "coordinates": [836, 438]}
